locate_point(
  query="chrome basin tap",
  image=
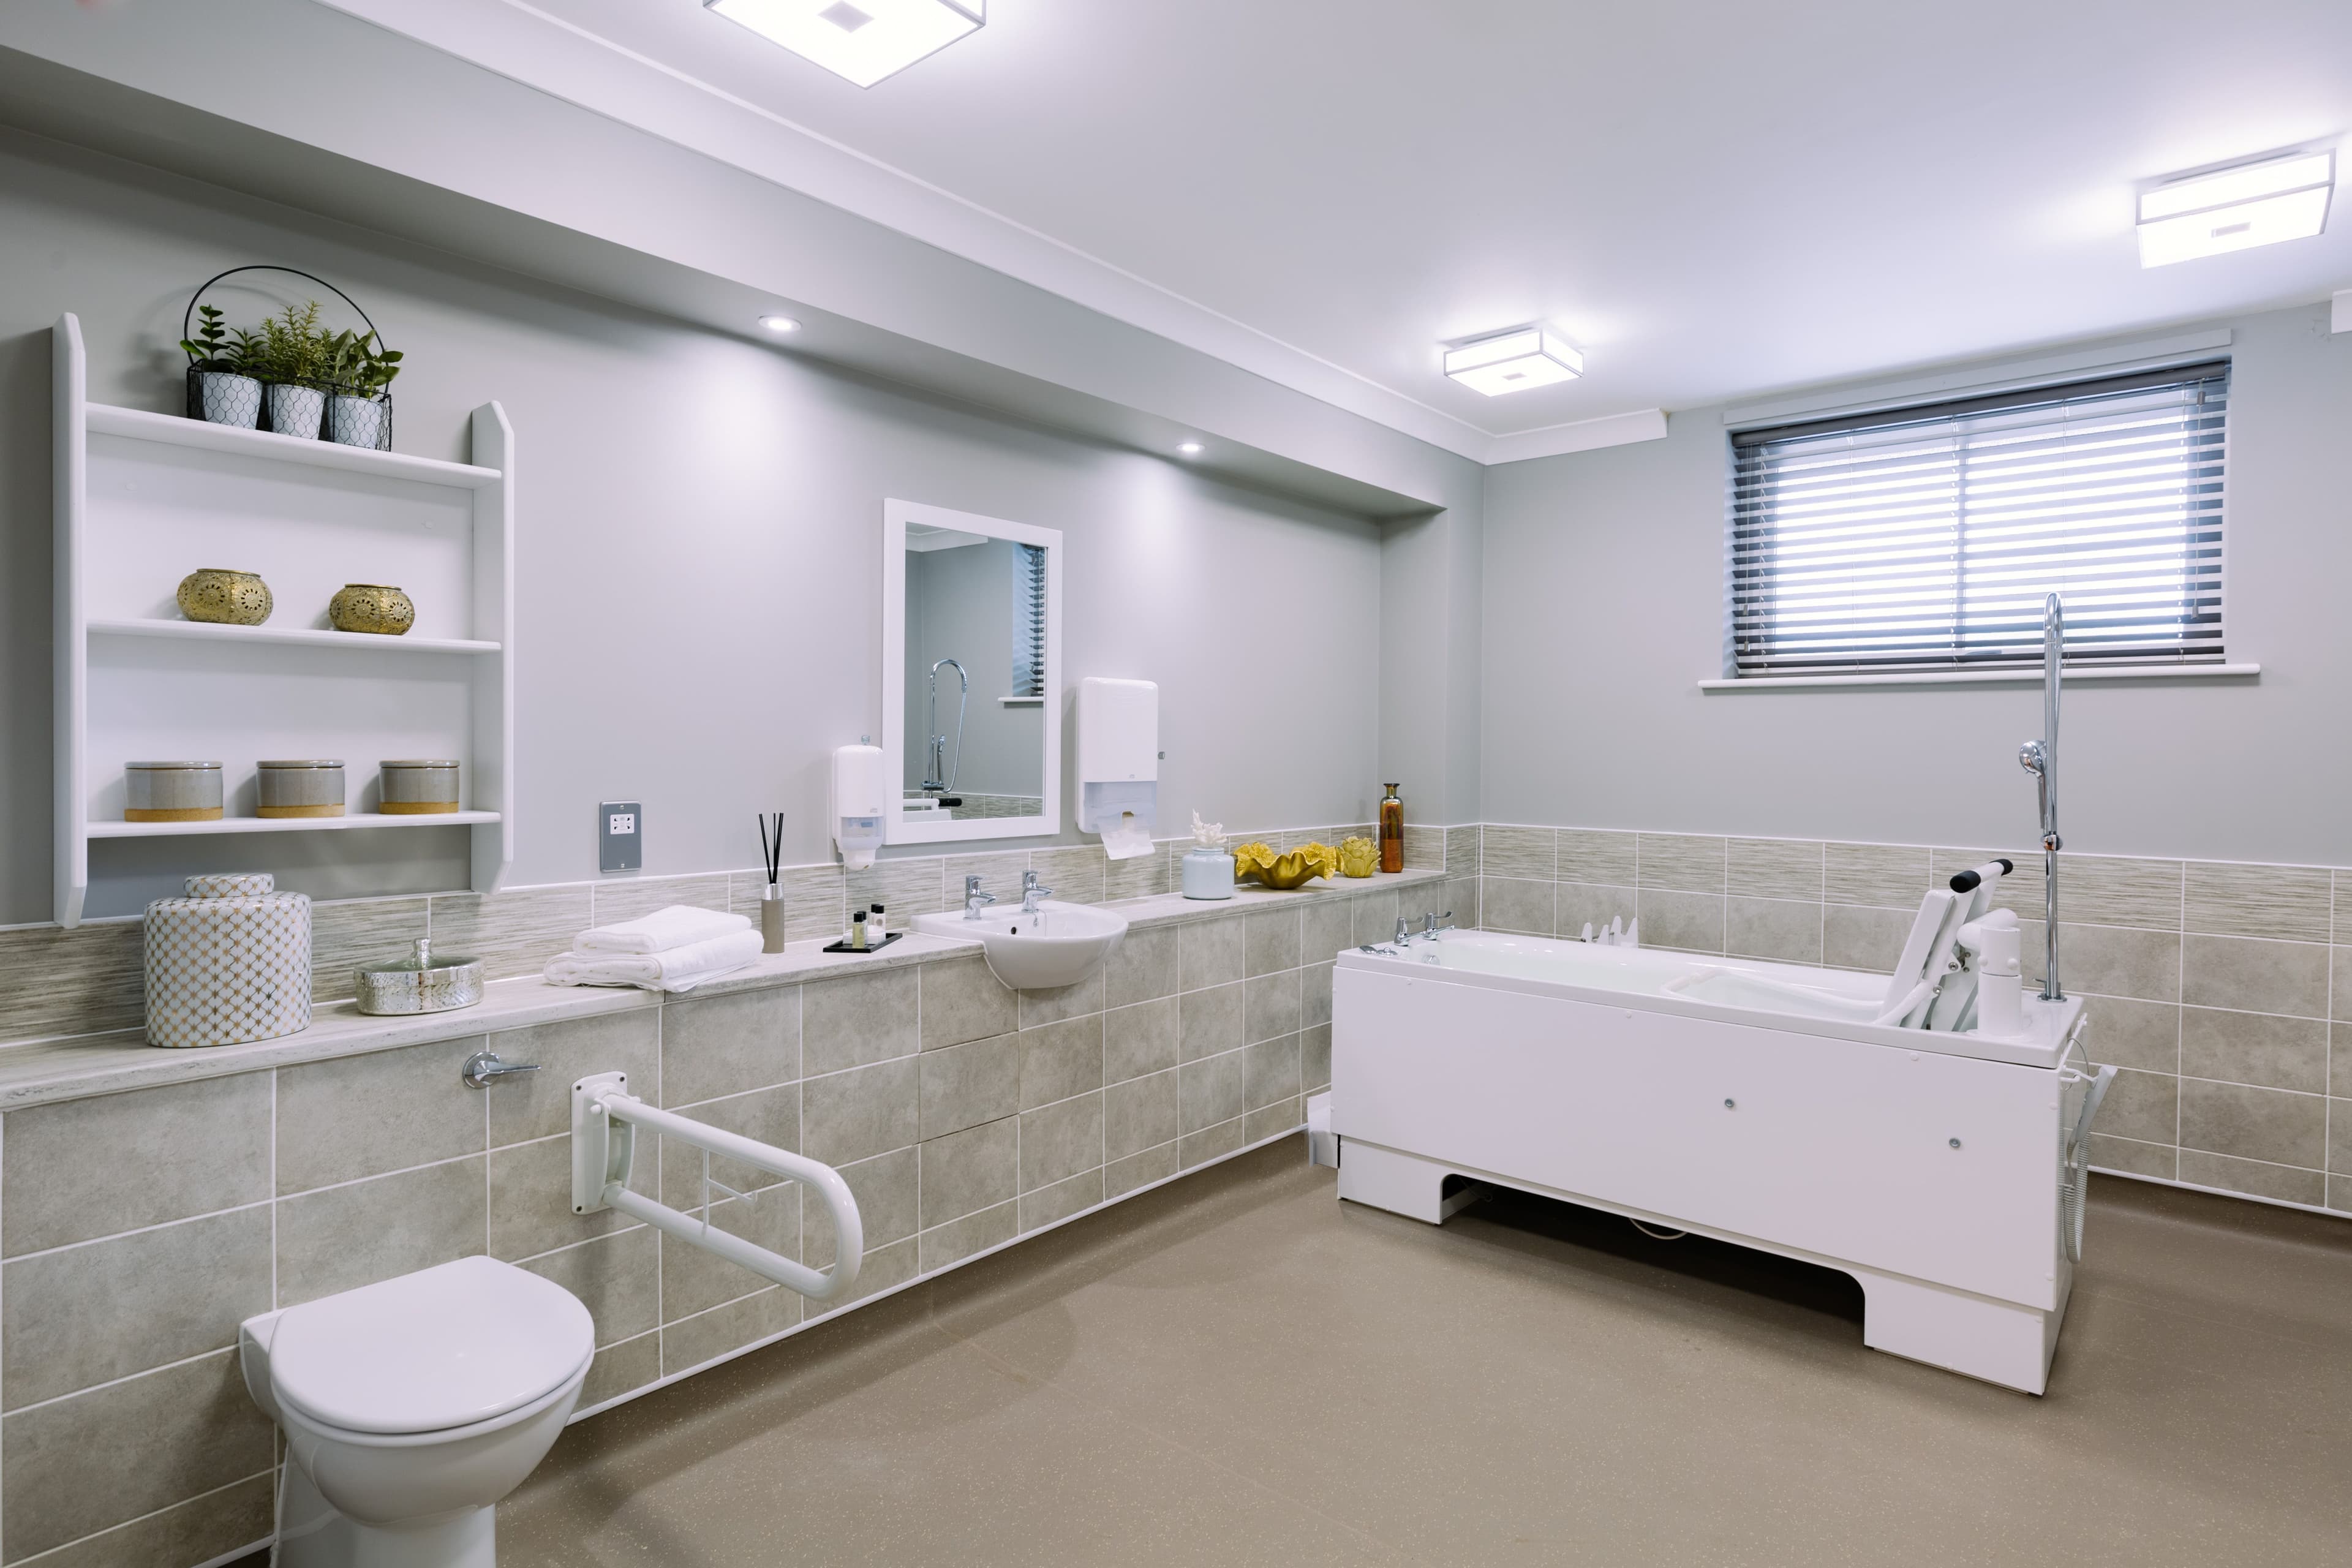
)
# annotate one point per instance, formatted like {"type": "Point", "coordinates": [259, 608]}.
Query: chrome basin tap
{"type": "Point", "coordinates": [1030, 892]}
{"type": "Point", "coordinates": [974, 901]}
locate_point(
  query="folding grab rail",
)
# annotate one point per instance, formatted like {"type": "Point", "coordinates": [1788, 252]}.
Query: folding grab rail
{"type": "Point", "coordinates": [603, 1155]}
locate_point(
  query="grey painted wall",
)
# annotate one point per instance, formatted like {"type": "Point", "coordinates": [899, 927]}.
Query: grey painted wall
{"type": "Point", "coordinates": [1603, 607]}
{"type": "Point", "coordinates": [698, 557]}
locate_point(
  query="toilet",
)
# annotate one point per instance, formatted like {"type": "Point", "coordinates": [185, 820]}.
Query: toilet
{"type": "Point", "coordinates": [411, 1406]}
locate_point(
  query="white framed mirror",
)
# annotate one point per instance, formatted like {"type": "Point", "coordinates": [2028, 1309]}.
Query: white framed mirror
{"type": "Point", "coordinates": [972, 675]}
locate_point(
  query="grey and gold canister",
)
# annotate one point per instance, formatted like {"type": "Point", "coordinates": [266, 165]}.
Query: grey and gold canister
{"type": "Point", "coordinates": [302, 787]}
{"type": "Point", "coordinates": [228, 963]}
{"type": "Point", "coordinates": [171, 792]}
{"type": "Point", "coordinates": [417, 787]}
{"type": "Point", "coordinates": [424, 982]}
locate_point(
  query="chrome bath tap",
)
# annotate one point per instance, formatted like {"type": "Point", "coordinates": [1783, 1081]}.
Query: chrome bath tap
{"type": "Point", "coordinates": [2040, 758]}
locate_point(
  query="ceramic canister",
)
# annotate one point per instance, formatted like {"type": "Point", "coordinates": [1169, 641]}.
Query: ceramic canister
{"type": "Point", "coordinates": [417, 788]}
{"type": "Point", "coordinates": [171, 792]}
{"type": "Point", "coordinates": [311, 787]}
{"type": "Point", "coordinates": [230, 962]}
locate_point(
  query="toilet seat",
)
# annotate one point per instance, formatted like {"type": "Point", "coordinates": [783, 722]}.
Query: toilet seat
{"type": "Point", "coordinates": [464, 1344]}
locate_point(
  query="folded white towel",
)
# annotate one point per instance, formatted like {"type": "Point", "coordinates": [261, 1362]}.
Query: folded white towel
{"type": "Point", "coordinates": [678, 968]}
{"type": "Point", "coordinates": [661, 931]}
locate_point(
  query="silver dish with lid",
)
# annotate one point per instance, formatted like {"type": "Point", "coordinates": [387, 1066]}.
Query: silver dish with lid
{"type": "Point", "coordinates": [424, 982]}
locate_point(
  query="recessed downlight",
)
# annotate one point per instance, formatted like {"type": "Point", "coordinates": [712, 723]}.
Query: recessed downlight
{"type": "Point", "coordinates": [863, 40]}
{"type": "Point", "coordinates": [779, 323]}
{"type": "Point", "coordinates": [1190, 448]}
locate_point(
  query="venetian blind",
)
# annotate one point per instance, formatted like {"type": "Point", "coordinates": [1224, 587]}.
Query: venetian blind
{"type": "Point", "coordinates": [1028, 620]}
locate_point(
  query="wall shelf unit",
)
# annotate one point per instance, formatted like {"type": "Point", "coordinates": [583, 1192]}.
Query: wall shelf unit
{"type": "Point", "coordinates": [144, 498]}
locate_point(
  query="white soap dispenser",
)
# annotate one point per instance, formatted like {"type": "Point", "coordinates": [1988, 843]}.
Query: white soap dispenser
{"type": "Point", "coordinates": [1118, 763]}
{"type": "Point", "coordinates": [858, 804]}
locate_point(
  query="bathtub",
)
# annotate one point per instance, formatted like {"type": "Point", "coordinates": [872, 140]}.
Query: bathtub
{"type": "Point", "coordinates": [1753, 1102]}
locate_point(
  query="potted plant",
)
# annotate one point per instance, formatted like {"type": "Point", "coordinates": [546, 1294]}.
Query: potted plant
{"type": "Point", "coordinates": [290, 356]}
{"type": "Point", "coordinates": [219, 389]}
{"type": "Point", "coordinates": [358, 372]}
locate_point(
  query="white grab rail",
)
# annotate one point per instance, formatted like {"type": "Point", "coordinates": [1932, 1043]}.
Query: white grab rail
{"type": "Point", "coordinates": [603, 1155]}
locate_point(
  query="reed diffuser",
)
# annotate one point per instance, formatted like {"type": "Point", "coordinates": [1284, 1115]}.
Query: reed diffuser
{"type": "Point", "coordinates": [772, 897]}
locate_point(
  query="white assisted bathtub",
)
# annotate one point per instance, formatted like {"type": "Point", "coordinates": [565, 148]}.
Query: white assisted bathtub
{"type": "Point", "coordinates": [1751, 1101]}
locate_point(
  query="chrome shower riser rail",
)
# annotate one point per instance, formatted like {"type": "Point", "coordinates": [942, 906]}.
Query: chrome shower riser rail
{"type": "Point", "coordinates": [604, 1120]}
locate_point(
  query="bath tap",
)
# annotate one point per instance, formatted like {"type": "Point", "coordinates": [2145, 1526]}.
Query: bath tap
{"type": "Point", "coordinates": [1404, 932]}
{"type": "Point", "coordinates": [1430, 928]}
{"type": "Point", "coordinates": [944, 777]}
{"type": "Point", "coordinates": [1030, 892]}
{"type": "Point", "coordinates": [2040, 758]}
{"type": "Point", "coordinates": [974, 901]}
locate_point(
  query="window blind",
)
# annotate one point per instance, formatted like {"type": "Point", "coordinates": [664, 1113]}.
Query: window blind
{"type": "Point", "coordinates": [1924, 538]}
{"type": "Point", "coordinates": [1028, 620]}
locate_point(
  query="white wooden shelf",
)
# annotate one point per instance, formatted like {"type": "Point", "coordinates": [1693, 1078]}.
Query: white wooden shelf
{"type": "Point", "coordinates": [304, 637]}
{"type": "Point", "coordinates": [143, 498]}
{"type": "Point", "coordinates": [286, 824]}
{"type": "Point", "coordinates": [170, 430]}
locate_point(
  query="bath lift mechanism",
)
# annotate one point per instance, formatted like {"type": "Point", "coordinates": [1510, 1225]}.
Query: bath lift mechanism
{"type": "Point", "coordinates": [604, 1121]}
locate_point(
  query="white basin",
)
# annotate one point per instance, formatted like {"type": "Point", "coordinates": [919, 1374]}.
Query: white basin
{"type": "Point", "coordinates": [1061, 945]}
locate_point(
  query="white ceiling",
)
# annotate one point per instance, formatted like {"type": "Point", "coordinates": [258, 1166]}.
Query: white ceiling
{"type": "Point", "coordinates": [1713, 200]}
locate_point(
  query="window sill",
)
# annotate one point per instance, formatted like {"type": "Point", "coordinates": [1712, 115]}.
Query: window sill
{"type": "Point", "coordinates": [1986, 677]}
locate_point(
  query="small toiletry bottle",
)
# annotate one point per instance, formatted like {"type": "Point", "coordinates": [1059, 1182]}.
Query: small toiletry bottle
{"type": "Point", "coordinates": [1392, 831]}
{"type": "Point", "coordinates": [857, 931]}
{"type": "Point", "coordinates": [877, 924]}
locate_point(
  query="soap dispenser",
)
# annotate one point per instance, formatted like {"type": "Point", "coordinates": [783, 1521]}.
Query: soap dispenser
{"type": "Point", "coordinates": [1392, 831]}
{"type": "Point", "coordinates": [859, 804]}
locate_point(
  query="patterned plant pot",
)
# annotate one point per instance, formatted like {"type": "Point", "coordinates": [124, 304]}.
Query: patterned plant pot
{"type": "Point", "coordinates": [224, 397]}
{"type": "Point", "coordinates": [360, 421]}
{"type": "Point", "coordinates": [296, 410]}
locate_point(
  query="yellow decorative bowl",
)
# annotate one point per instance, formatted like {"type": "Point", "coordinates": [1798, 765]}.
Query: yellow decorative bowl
{"type": "Point", "coordinates": [225, 598]}
{"type": "Point", "coordinates": [1358, 856]}
{"type": "Point", "coordinates": [1284, 872]}
{"type": "Point", "coordinates": [370, 607]}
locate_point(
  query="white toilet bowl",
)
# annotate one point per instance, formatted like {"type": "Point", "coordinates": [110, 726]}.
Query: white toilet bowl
{"type": "Point", "coordinates": [411, 1406]}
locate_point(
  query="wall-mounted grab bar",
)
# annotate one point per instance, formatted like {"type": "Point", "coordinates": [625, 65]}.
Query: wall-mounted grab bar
{"type": "Point", "coordinates": [604, 1120]}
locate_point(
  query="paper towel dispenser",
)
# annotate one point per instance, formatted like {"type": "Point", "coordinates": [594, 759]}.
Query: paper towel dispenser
{"type": "Point", "coordinates": [1118, 760]}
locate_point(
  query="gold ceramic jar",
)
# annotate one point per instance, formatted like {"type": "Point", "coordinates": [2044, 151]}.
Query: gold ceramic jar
{"type": "Point", "coordinates": [172, 792]}
{"type": "Point", "coordinates": [300, 787]}
{"type": "Point", "coordinates": [417, 788]}
{"type": "Point", "coordinates": [226, 598]}
{"type": "Point", "coordinates": [370, 607]}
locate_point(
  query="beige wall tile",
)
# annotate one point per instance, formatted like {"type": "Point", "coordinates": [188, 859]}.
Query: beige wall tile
{"type": "Point", "coordinates": [959, 1239]}
{"type": "Point", "coordinates": [1060, 1060]}
{"type": "Point", "coordinates": [157, 1439]}
{"type": "Point", "coordinates": [1050, 1205]}
{"type": "Point", "coordinates": [55, 982]}
{"type": "Point", "coordinates": [2339, 1136]}
{"type": "Point", "coordinates": [1057, 1141]}
{"type": "Point", "coordinates": [715, 1045]}
{"type": "Point", "coordinates": [344, 935]}
{"type": "Point", "coordinates": [202, 1529]}
{"type": "Point", "coordinates": [1690, 922]}
{"type": "Point", "coordinates": [1269, 1121]}
{"type": "Point", "coordinates": [530, 1202]}
{"type": "Point", "coordinates": [1212, 1021]}
{"type": "Point", "coordinates": [1517, 906]}
{"type": "Point", "coordinates": [1141, 967]}
{"type": "Point", "coordinates": [340, 1238]}
{"type": "Point", "coordinates": [619, 1368]}
{"type": "Point", "coordinates": [861, 1019]}
{"type": "Point", "coordinates": [1270, 1007]}
{"type": "Point", "coordinates": [1270, 941]}
{"type": "Point", "coordinates": [2340, 984]}
{"type": "Point", "coordinates": [2145, 1035]}
{"type": "Point", "coordinates": [2253, 1123]}
{"type": "Point", "coordinates": [2289, 902]}
{"type": "Point", "coordinates": [1270, 1072]}
{"type": "Point", "coordinates": [2112, 961]}
{"type": "Point", "coordinates": [770, 1116]}
{"type": "Point", "coordinates": [1314, 1058]}
{"type": "Point", "coordinates": [1424, 847]}
{"type": "Point", "coordinates": [90, 1314]}
{"type": "Point", "coordinates": [361, 1116]}
{"type": "Point", "coordinates": [1522, 852]}
{"type": "Point", "coordinates": [1861, 939]}
{"type": "Point", "coordinates": [2145, 1106]}
{"type": "Point", "coordinates": [1609, 859]}
{"type": "Point", "coordinates": [1773, 868]}
{"type": "Point", "coordinates": [1315, 994]}
{"type": "Point", "coordinates": [746, 1321]}
{"type": "Point", "coordinates": [2100, 890]}
{"type": "Point", "coordinates": [816, 902]}
{"type": "Point", "coordinates": [1211, 1091]}
{"type": "Point", "coordinates": [1137, 877]}
{"type": "Point", "coordinates": [963, 1085]}
{"type": "Point", "coordinates": [619, 1279]}
{"type": "Point", "coordinates": [1466, 846]}
{"type": "Point", "coordinates": [1772, 928]}
{"type": "Point", "coordinates": [1874, 876]}
{"type": "Point", "coordinates": [882, 1269]}
{"type": "Point", "coordinates": [693, 1280]}
{"type": "Point", "coordinates": [1062, 1002]}
{"type": "Point", "coordinates": [1679, 862]}
{"type": "Point", "coordinates": [1139, 1114]}
{"type": "Point", "coordinates": [1209, 1144]}
{"type": "Point", "coordinates": [1154, 1164]}
{"type": "Point", "coordinates": [1327, 927]}
{"type": "Point", "coordinates": [1210, 952]}
{"type": "Point", "coordinates": [539, 1105]}
{"type": "Point", "coordinates": [1078, 873]}
{"type": "Point", "coordinates": [963, 1000]}
{"type": "Point", "coordinates": [910, 885]}
{"type": "Point", "coordinates": [85, 1168]}
{"type": "Point", "coordinates": [2161, 1161]}
{"type": "Point", "coordinates": [625, 898]}
{"type": "Point", "coordinates": [867, 1111]}
{"type": "Point", "coordinates": [2254, 975]}
{"type": "Point", "coordinates": [2252, 1047]}
{"type": "Point", "coordinates": [887, 1188]}
{"type": "Point", "coordinates": [1375, 918]}
{"type": "Point", "coordinates": [2253, 1177]}
{"type": "Point", "coordinates": [1144, 1038]}
{"type": "Point", "coordinates": [1576, 905]}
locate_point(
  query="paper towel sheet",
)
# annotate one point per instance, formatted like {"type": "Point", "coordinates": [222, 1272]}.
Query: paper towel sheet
{"type": "Point", "coordinates": [1128, 839]}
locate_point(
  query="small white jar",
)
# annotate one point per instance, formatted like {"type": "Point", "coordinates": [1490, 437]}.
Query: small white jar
{"type": "Point", "coordinates": [1207, 874]}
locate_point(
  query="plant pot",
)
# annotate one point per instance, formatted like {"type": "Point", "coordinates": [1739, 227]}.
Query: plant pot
{"type": "Point", "coordinates": [296, 410]}
{"type": "Point", "coordinates": [359, 421]}
{"type": "Point", "coordinates": [225, 397]}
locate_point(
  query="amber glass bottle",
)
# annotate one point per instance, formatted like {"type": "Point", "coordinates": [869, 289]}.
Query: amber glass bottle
{"type": "Point", "coordinates": [1392, 832]}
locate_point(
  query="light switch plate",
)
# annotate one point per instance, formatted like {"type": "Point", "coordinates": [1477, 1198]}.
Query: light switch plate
{"type": "Point", "coordinates": [619, 835]}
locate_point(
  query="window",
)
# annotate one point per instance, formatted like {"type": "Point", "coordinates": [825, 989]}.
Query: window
{"type": "Point", "coordinates": [1924, 538]}
{"type": "Point", "coordinates": [1028, 620]}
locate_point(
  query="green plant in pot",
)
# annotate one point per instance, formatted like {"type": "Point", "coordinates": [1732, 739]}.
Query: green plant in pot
{"type": "Point", "coordinates": [358, 372]}
{"type": "Point", "coordinates": [221, 389]}
{"type": "Point", "coordinates": [292, 355]}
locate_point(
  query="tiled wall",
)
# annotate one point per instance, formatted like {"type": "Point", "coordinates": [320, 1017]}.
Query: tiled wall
{"type": "Point", "coordinates": [2210, 986]}
{"type": "Point", "coordinates": [137, 1229]}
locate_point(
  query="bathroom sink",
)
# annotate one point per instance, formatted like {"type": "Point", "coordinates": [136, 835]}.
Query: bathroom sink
{"type": "Point", "coordinates": [1061, 945]}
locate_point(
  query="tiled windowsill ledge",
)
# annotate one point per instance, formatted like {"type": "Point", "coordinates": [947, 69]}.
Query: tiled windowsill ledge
{"type": "Point", "coordinates": [35, 1072]}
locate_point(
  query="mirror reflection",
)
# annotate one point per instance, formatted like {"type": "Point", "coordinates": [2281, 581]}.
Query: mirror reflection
{"type": "Point", "coordinates": [975, 706]}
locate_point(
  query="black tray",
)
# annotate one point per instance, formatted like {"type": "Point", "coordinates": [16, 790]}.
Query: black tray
{"type": "Point", "coordinates": [871, 945]}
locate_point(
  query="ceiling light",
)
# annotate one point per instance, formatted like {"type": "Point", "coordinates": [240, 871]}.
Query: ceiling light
{"type": "Point", "coordinates": [1190, 448]}
{"type": "Point", "coordinates": [864, 40]}
{"type": "Point", "coordinates": [1514, 362]}
{"type": "Point", "coordinates": [2234, 209]}
{"type": "Point", "coordinates": [779, 323]}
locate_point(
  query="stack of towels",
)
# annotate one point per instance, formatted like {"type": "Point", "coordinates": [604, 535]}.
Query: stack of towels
{"type": "Point", "coordinates": [676, 949]}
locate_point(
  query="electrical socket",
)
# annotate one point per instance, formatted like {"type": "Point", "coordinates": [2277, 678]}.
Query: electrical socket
{"type": "Point", "coordinates": [619, 835]}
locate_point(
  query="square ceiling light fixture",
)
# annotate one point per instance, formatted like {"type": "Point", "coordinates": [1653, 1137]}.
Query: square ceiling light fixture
{"type": "Point", "coordinates": [864, 40]}
{"type": "Point", "coordinates": [1515, 361]}
{"type": "Point", "coordinates": [2282, 197]}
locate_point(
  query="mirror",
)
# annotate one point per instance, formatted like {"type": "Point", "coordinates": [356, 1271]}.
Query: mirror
{"type": "Point", "coordinates": [970, 675]}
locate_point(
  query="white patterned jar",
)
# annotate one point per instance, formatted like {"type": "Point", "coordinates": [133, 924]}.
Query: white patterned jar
{"type": "Point", "coordinates": [228, 963]}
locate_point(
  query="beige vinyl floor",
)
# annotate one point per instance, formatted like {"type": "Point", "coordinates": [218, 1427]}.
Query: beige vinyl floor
{"type": "Point", "coordinates": [1240, 1370]}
